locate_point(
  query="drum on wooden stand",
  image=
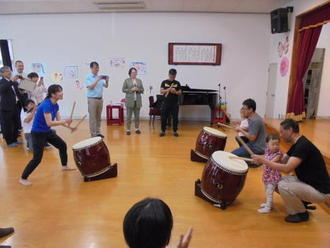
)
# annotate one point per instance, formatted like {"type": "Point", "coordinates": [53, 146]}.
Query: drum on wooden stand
{"type": "Point", "coordinates": [222, 180]}
{"type": "Point", "coordinates": [93, 160]}
{"type": "Point", "coordinates": [208, 141]}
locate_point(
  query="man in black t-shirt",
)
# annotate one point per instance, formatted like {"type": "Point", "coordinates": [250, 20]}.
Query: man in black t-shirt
{"type": "Point", "coordinates": [171, 89]}
{"type": "Point", "coordinates": [311, 183]}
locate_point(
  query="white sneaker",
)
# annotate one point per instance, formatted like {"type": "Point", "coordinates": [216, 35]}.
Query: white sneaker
{"type": "Point", "coordinates": [67, 168]}
{"type": "Point", "coordinates": [264, 210]}
{"type": "Point", "coordinates": [25, 182]}
{"type": "Point", "coordinates": [263, 205]}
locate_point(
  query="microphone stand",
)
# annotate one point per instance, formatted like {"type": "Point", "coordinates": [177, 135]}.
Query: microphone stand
{"type": "Point", "coordinates": [219, 109]}
{"type": "Point", "coordinates": [225, 90]}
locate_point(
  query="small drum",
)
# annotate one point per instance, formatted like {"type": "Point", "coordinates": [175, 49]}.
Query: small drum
{"type": "Point", "coordinates": [209, 140]}
{"type": "Point", "coordinates": [93, 160]}
{"type": "Point", "coordinates": [223, 178]}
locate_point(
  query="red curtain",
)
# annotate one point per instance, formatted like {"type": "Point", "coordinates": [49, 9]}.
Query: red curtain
{"type": "Point", "coordinates": [309, 38]}
{"type": "Point", "coordinates": [308, 41]}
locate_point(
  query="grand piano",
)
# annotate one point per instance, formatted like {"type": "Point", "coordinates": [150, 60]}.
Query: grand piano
{"type": "Point", "coordinates": [192, 96]}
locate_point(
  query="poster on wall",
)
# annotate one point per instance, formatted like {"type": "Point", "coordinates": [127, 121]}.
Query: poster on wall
{"type": "Point", "coordinates": [141, 67]}
{"type": "Point", "coordinates": [71, 72]}
{"type": "Point", "coordinates": [283, 47]}
{"type": "Point", "coordinates": [118, 63]}
{"type": "Point", "coordinates": [284, 66]}
{"type": "Point", "coordinates": [56, 77]}
{"type": "Point", "coordinates": [78, 84]}
{"type": "Point", "coordinates": [282, 50]}
{"type": "Point", "coordinates": [38, 68]}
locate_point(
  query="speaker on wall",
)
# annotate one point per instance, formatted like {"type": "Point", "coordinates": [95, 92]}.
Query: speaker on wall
{"type": "Point", "coordinates": [279, 20]}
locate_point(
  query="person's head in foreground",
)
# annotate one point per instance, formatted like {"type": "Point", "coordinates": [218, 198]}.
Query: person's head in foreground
{"type": "Point", "coordinates": [148, 224]}
{"type": "Point", "coordinates": [289, 130]}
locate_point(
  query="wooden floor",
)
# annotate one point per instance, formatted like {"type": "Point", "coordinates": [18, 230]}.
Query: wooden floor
{"type": "Point", "coordinates": [316, 130]}
{"type": "Point", "coordinates": [60, 210]}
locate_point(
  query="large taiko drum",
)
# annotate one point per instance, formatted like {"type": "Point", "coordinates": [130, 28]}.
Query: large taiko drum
{"type": "Point", "coordinates": [93, 160]}
{"type": "Point", "coordinates": [208, 141]}
{"type": "Point", "coordinates": [223, 178]}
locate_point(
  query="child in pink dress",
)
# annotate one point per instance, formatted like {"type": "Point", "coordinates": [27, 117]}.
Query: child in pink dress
{"type": "Point", "coordinates": [270, 176]}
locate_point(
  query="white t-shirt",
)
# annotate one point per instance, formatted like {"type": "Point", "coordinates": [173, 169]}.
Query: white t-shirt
{"type": "Point", "coordinates": [27, 126]}
{"type": "Point", "coordinates": [244, 124]}
{"type": "Point", "coordinates": [134, 85]}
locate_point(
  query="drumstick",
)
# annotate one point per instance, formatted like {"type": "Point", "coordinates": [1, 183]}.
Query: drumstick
{"type": "Point", "coordinates": [78, 124]}
{"type": "Point", "coordinates": [224, 125]}
{"type": "Point", "coordinates": [241, 158]}
{"type": "Point", "coordinates": [73, 107]}
{"type": "Point", "coordinates": [169, 89]}
{"type": "Point", "coordinates": [245, 145]}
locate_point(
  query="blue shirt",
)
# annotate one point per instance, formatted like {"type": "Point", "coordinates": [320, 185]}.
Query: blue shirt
{"type": "Point", "coordinates": [39, 123]}
{"type": "Point", "coordinates": [98, 90]}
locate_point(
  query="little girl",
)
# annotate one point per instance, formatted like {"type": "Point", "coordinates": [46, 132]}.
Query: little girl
{"type": "Point", "coordinates": [244, 125]}
{"type": "Point", "coordinates": [270, 176]}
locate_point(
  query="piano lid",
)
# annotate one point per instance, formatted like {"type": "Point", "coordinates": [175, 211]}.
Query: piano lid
{"type": "Point", "coordinates": [187, 89]}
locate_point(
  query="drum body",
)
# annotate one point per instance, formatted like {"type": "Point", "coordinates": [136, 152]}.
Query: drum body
{"type": "Point", "coordinates": [210, 140]}
{"type": "Point", "coordinates": [223, 178]}
{"type": "Point", "coordinates": [91, 157]}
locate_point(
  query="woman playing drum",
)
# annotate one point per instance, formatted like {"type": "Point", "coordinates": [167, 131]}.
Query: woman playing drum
{"type": "Point", "coordinates": [47, 116]}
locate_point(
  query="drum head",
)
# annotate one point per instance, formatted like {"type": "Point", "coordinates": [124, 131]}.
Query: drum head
{"type": "Point", "coordinates": [215, 132]}
{"type": "Point", "coordinates": [87, 143]}
{"type": "Point", "coordinates": [223, 159]}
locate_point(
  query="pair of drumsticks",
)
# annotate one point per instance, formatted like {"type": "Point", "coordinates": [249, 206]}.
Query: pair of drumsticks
{"type": "Point", "coordinates": [242, 143]}
{"type": "Point", "coordinates": [80, 121]}
{"type": "Point", "coordinates": [169, 91]}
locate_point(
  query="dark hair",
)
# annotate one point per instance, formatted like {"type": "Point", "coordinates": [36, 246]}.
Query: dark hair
{"type": "Point", "coordinates": [172, 72]}
{"type": "Point", "coordinates": [93, 63]}
{"type": "Point", "coordinates": [272, 136]}
{"type": "Point", "coordinates": [131, 69]}
{"type": "Point", "coordinates": [28, 101]}
{"type": "Point", "coordinates": [148, 224]}
{"type": "Point", "coordinates": [33, 75]}
{"type": "Point", "coordinates": [18, 61]}
{"type": "Point", "coordinates": [250, 104]}
{"type": "Point", "coordinates": [54, 88]}
{"type": "Point", "coordinates": [290, 123]}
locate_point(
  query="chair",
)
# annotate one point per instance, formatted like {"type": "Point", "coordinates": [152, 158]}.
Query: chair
{"type": "Point", "coordinates": [154, 110]}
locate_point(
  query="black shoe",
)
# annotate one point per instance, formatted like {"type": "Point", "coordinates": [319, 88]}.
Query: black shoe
{"type": "Point", "coordinates": [100, 135]}
{"type": "Point", "coordinates": [128, 132]}
{"type": "Point", "coordinates": [6, 231]}
{"type": "Point", "coordinates": [306, 204]}
{"type": "Point", "coordinates": [297, 218]}
{"type": "Point", "coordinates": [162, 134]}
{"type": "Point", "coordinates": [175, 134]}
{"type": "Point", "coordinates": [137, 131]}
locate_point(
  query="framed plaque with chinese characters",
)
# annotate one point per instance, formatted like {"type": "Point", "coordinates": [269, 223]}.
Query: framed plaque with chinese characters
{"type": "Point", "coordinates": [194, 53]}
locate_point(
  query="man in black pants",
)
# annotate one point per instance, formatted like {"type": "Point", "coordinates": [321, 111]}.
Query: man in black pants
{"type": "Point", "coordinates": [9, 96]}
{"type": "Point", "coordinates": [171, 89]}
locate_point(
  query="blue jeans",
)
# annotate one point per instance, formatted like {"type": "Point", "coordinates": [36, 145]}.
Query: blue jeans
{"type": "Point", "coordinates": [242, 152]}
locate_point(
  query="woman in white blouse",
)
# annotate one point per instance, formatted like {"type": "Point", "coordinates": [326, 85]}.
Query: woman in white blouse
{"type": "Point", "coordinates": [37, 95]}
